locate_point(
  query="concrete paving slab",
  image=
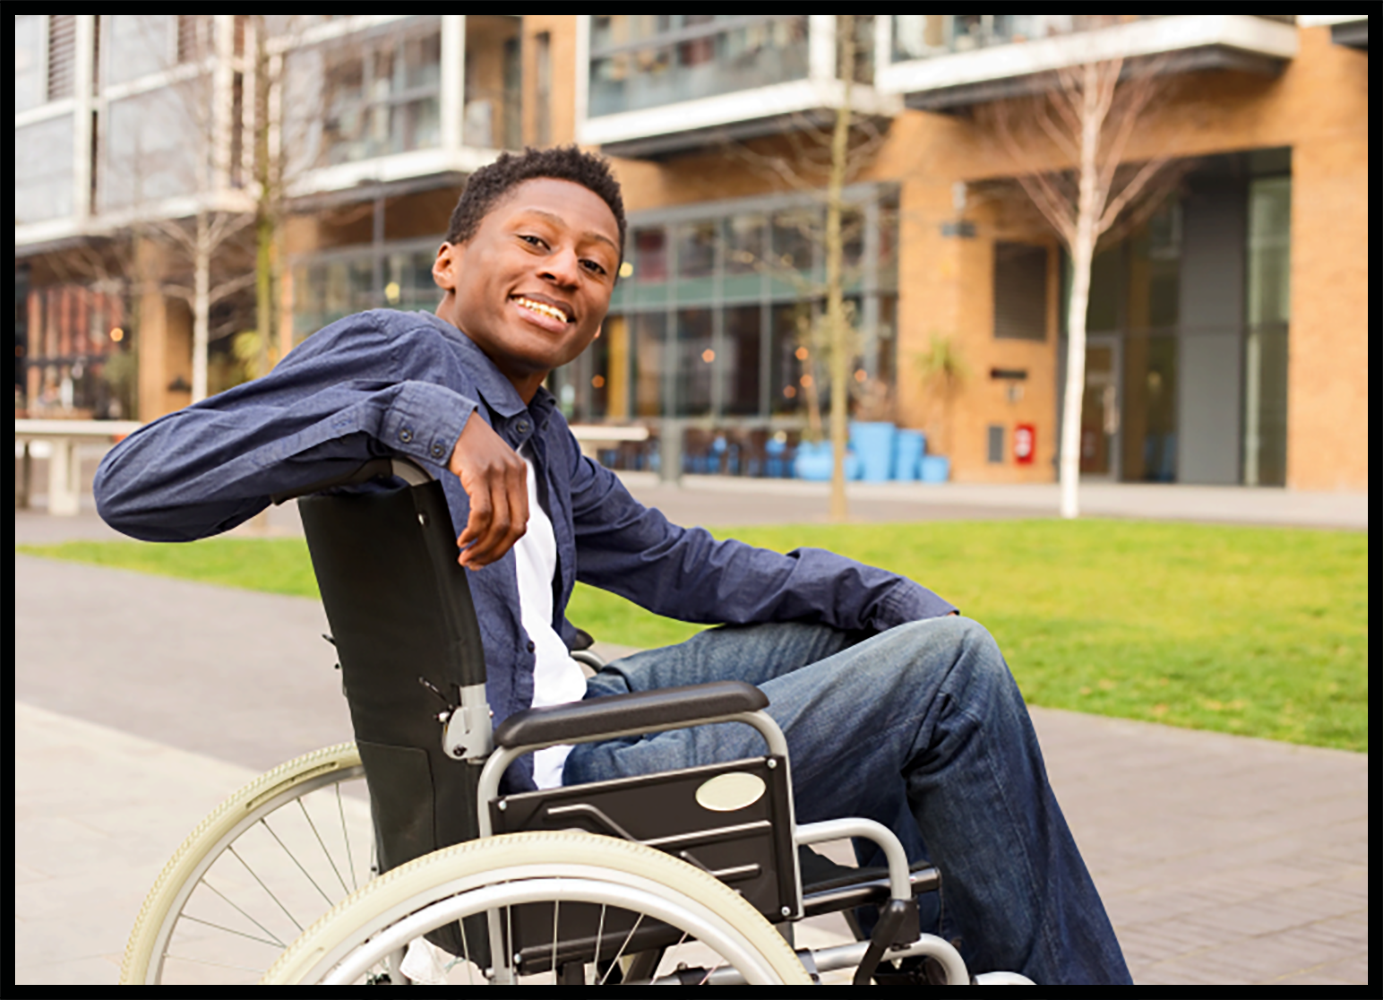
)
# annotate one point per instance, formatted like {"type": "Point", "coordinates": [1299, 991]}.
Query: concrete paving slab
{"type": "Point", "coordinates": [81, 878]}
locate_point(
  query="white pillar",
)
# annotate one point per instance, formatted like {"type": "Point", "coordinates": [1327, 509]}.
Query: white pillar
{"type": "Point", "coordinates": [64, 478]}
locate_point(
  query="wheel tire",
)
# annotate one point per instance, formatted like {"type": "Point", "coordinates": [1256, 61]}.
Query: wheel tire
{"type": "Point", "coordinates": [165, 905]}
{"type": "Point", "coordinates": [490, 874]}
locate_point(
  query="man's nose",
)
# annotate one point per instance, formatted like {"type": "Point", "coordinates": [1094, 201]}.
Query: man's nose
{"type": "Point", "coordinates": [562, 267]}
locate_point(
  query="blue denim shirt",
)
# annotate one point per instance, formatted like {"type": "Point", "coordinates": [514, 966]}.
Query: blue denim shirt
{"type": "Point", "coordinates": [382, 382]}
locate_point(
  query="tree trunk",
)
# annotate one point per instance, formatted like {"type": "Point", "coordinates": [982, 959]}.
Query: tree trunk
{"type": "Point", "coordinates": [835, 304]}
{"type": "Point", "coordinates": [201, 309]}
{"type": "Point", "coordinates": [1088, 210]}
{"type": "Point", "coordinates": [268, 191]}
{"type": "Point", "coordinates": [1075, 375]}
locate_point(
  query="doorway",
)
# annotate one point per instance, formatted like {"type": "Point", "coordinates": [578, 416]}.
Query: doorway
{"type": "Point", "coordinates": [1101, 405]}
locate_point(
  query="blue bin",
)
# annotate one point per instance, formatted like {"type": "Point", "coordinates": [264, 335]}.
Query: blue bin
{"type": "Point", "coordinates": [935, 468]}
{"type": "Point", "coordinates": [873, 442]}
{"type": "Point", "coordinates": [907, 454]}
{"type": "Point", "coordinates": [814, 462]}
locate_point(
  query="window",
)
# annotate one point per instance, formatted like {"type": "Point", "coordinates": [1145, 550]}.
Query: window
{"type": "Point", "coordinates": [150, 146]}
{"type": "Point", "coordinates": [644, 61]}
{"type": "Point", "coordinates": [43, 179]}
{"type": "Point", "coordinates": [1020, 291]}
{"type": "Point", "coordinates": [542, 75]}
{"type": "Point", "coordinates": [695, 362]}
{"type": "Point", "coordinates": [332, 286]}
{"type": "Point", "coordinates": [362, 98]}
{"type": "Point", "coordinates": [1265, 340]}
{"type": "Point", "coordinates": [744, 249]}
{"type": "Point", "coordinates": [696, 249]}
{"type": "Point", "coordinates": [493, 82]}
{"type": "Point", "coordinates": [650, 255]}
{"type": "Point", "coordinates": [62, 50]}
{"type": "Point", "coordinates": [739, 360]}
{"type": "Point", "coordinates": [650, 363]}
{"type": "Point", "coordinates": [137, 45]}
{"type": "Point", "coordinates": [28, 62]}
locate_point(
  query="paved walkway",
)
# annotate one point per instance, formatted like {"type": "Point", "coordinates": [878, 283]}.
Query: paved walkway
{"type": "Point", "coordinates": [1221, 859]}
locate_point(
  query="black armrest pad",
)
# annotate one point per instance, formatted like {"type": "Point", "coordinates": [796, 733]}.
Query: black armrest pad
{"type": "Point", "coordinates": [665, 708]}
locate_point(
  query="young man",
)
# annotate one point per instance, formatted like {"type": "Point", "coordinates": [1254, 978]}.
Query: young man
{"type": "Point", "coordinates": [895, 708]}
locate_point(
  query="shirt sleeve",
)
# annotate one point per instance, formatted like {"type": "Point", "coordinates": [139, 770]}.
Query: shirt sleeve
{"type": "Point", "coordinates": [685, 573]}
{"type": "Point", "coordinates": [351, 392]}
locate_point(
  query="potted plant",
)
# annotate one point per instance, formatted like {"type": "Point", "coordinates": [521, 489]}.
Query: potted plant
{"type": "Point", "coordinates": [942, 370]}
{"type": "Point", "coordinates": [873, 431]}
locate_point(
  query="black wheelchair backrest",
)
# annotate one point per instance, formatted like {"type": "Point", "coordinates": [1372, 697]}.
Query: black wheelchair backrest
{"type": "Point", "coordinates": [400, 611]}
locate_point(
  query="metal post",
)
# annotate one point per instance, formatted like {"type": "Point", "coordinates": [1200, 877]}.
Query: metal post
{"type": "Point", "coordinates": [670, 449]}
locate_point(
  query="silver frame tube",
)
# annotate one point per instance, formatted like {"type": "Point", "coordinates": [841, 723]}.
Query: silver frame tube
{"type": "Point", "coordinates": [839, 829]}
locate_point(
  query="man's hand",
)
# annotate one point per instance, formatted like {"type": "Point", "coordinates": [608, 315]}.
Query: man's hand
{"type": "Point", "coordinates": [496, 480]}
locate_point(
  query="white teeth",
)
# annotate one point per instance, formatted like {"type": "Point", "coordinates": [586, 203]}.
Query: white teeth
{"type": "Point", "coordinates": [541, 307]}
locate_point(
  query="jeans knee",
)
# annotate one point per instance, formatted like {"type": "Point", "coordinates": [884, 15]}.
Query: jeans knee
{"type": "Point", "coordinates": [968, 644]}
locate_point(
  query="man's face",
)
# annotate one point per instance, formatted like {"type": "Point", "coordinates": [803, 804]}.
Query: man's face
{"type": "Point", "coordinates": [532, 286]}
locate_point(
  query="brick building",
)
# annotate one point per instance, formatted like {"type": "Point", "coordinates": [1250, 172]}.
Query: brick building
{"type": "Point", "coordinates": [1227, 333]}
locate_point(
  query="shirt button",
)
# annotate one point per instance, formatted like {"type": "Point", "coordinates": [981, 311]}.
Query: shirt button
{"type": "Point", "coordinates": [523, 426]}
{"type": "Point", "coordinates": [438, 450]}
{"type": "Point", "coordinates": [531, 646]}
{"type": "Point", "coordinates": [406, 435]}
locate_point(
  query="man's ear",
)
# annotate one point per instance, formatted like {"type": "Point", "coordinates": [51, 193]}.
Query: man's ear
{"type": "Point", "coordinates": [447, 265]}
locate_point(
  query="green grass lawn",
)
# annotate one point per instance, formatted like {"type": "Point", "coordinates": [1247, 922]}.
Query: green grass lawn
{"type": "Point", "coordinates": [1256, 631]}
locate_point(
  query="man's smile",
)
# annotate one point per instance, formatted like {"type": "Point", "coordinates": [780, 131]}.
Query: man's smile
{"type": "Point", "coordinates": [545, 307]}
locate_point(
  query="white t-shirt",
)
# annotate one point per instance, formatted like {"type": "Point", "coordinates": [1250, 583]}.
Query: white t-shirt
{"type": "Point", "coordinates": [557, 678]}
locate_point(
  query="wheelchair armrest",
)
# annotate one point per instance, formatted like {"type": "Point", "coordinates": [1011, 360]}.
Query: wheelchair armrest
{"type": "Point", "coordinates": [665, 708]}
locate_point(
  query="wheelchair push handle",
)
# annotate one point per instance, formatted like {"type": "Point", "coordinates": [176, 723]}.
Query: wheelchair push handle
{"type": "Point", "coordinates": [376, 468]}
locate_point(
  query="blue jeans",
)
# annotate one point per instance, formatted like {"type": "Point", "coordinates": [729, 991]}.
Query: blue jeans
{"type": "Point", "coordinates": [922, 728]}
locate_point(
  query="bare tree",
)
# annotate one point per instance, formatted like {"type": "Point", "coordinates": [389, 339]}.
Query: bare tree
{"type": "Point", "coordinates": [812, 156]}
{"type": "Point", "coordinates": [1086, 116]}
{"type": "Point", "coordinates": [835, 299]}
{"type": "Point", "coordinates": [196, 113]}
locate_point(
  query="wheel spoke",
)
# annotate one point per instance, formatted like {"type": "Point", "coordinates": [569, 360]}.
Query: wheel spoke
{"type": "Point", "coordinates": [294, 858]}
{"type": "Point", "coordinates": [330, 860]}
{"type": "Point", "coordinates": [272, 941]}
{"type": "Point", "coordinates": [255, 875]}
{"type": "Point", "coordinates": [599, 933]}
{"type": "Point", "coordinates": [231, 903]}
{"type": "Point", "coordinates": [556, 909]}
{"type": "Point", "coordinates": [345, 834]}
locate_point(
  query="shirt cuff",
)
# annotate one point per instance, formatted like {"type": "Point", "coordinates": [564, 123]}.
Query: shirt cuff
{"type": "Point", "coordinates": [910, 602]}
{"type": "Point", "coordinates": [425, 420]}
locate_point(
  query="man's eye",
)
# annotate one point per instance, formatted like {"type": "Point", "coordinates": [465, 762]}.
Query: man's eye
{"type": "Point", "coordinates": [593, 267]}
{"type": "Point", "coordinates": [531, 240]}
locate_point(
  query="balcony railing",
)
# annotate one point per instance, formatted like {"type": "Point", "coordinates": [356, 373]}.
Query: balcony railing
{"type": "Point", "coordinates": [631, 69]}
{"type": "Point", "coordinates": [939, 61]}
{"type": "Point", "coordinates": [661, 84]}
{"type": "Point", "coordinates": [923, 36]}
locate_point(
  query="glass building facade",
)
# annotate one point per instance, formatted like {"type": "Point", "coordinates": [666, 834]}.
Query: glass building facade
{"type": "Point", "coordinates": [1186, 353]}
{"type": "Point", "coordinates": [720, 312]}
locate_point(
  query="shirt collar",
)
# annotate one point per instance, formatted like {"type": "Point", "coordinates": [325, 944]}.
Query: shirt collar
{"type": "Point", "coordinates": [498, 392]}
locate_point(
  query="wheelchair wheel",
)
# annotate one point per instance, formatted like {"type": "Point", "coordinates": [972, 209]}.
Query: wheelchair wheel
{"type": "Point", "coordinates": [568, 879]}
{"type": "Point", "coordinates": [265, 865]}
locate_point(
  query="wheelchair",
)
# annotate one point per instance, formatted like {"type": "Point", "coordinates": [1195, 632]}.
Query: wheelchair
{"type": "Point", "coordinates": [336, 866]}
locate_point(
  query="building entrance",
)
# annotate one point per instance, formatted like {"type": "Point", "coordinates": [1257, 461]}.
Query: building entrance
{"type": "Point", "coordinates": [1100, 409]}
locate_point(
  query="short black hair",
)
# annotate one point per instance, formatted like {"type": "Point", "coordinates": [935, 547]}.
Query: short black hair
{"type": "Point", "coordinates": [567, 163]}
